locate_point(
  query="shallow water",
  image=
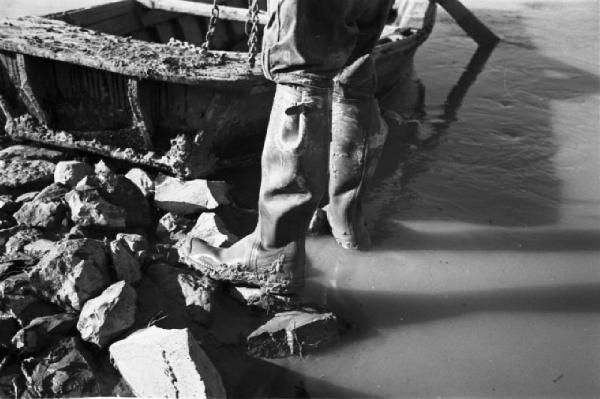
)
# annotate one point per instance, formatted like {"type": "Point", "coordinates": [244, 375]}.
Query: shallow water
{"type": "Point", "coordinates": [484, 279]}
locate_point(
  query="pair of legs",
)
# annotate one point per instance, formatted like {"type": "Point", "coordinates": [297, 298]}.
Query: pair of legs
{"type": "Point", "coordinates": [324, 112]}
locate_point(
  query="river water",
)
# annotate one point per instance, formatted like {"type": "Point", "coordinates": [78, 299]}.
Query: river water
{"type": "Point", "coordinates": [484, 279]}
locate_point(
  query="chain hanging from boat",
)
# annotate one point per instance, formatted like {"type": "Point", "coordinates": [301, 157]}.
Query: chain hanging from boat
{"type": "Point", "coordinates": [212, 23]}
{"type": "Point", "coordinates": [253, 11]}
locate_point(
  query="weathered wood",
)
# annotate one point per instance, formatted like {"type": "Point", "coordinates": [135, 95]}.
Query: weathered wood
{"type": "Point", "coordinates": [31, 90]}
{"type": "Point", "coordinates": [469, 23]}
{"type": "Point", "coordinates": [59, 41]}
{"type": "Point", "coordinates": [141, 119]}
{"type": "Point", "coordinates": [202, 9]}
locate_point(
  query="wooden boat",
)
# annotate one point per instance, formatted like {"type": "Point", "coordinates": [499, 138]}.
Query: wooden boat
{"type": "Point", "coordinates": [112, 81]}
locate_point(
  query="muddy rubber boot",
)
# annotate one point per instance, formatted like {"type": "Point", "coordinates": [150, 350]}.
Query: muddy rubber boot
{"type": "Point", "coordinates": [356, 122]}
{"type": "Point", "coordinates": [294, 178]}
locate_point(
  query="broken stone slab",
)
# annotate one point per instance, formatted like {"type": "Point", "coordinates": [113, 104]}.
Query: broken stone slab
{"type": "Point", "coordinates": [47, 210]}
{"type": "Point", "coordinates": [71, 273]}
{"type": "Point", "coordinates": [124, 263]}
{"type": "Point", "coordinates": [68, 369]}
{"type": "Point", "coordinates": [210, 228]}
{"type": "Point", "coordinates": [20, 238]}
{"type": "Point", "coordinates": [293, 333]}
{"type": "Point", "coordinates": [89, 209]}
{"type": "Point", "coordinates": [189, 197]}
{"type": "Point", "coordinates": [104, 318]}
{"type": "Point", "coordinates": [19, 176]}
{"type": "Point", "coordinates": [43, 331]}
{"type": "Point", "coordinates": [70, 173]}
{"type": "Point", "coordinates": [166, 363]}
{"type": "Point", "coordinates": [31, 152]}
{"type": "Point", "coordinates": [183, 294]}
{"type": "Point", "coordinates": [39, 248]}
{"type": "Point", "coordinates": [141, 179]}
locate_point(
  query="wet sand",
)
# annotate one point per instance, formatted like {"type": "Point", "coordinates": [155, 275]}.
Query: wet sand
{"type": "Point", "coordinates": [484, 280]}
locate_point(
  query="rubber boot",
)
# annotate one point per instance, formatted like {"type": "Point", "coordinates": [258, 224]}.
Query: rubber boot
{"type": "Point", "coordinates": [356, 122]}
{"type": "Point", "coordinates": [294, 178]}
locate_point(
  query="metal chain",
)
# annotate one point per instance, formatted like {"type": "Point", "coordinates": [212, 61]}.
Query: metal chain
{"type": "Point", "coordinates": [253, 33]}
{"type": "Point", "coordinates": [210, 32]}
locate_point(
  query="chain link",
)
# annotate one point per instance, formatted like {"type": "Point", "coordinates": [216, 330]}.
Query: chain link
{"type": "Point", "coordinates": [212, 23]}
{"type": "Point", "coordinates": [253, 33]}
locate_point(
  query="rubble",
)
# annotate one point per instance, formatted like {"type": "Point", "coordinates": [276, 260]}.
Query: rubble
{"type": "Point", "coordinates": [68, 369]}
{"type": "Point", "coordinates": [166, 363]}
{"type": "Point", "coordinates": [172, 228]}
{"type": "Point", "coordinates": [19, 239]}
{"type": "Point", "coordinates": [71, 273]}
{"type": "Point", "coordinates": [124, 263]}
{"type": "Point", "coordinates": [18, 299]}
{"type": "Point", "coordinates": [9, 326]}
{"type": "Point", "coordinates": [89, 209]}
{"type": "Point", "coordinates": [19, 175]}
{"type": "Point", "coordinates": [293, 333]}
{"type": "Point", "coordinates": [39, 248]}
{"type": "Point", "coordinates": [105, 317]}
{"type": "Point", "coordinates": [7, 204]}
{"type": "Point", "coordinates": [69, 173]}
{"type": "Point", "coordinates": [43, 331]}
{"type": "Point", "coordinates": [31, 152]}
{"type": "Point", "coordinates": [189, 197]}
{"type": "Point", "coordinates": [210, 228]}
{"type": "Point", "coordinates": [141, 179]}
{"type": "Point", "coordinates": [120, 191]}
{"type": "Point", "coordinates": [183, 294]}
{"type": "Point", "coordinates": [136, 243]}
{"type": "Point", "coordinates": [47, 209]}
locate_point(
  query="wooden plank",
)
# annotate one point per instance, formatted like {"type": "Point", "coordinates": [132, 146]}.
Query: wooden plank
{"type": "Point", "coordinates": [91, 15]}
{"type": "Point", "coordinates": [31, 89]}
{"type": "Point", "coordinates": [202, 9]}
{"type": "Point", "coordinates": [59, 41]}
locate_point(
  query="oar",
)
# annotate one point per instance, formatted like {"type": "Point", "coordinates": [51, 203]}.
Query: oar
{"type": "Point", "coordinates": [469, 23]}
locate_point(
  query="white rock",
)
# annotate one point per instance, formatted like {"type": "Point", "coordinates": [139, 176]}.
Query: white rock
{"type": "Point", "coordinates": [210, 228]}
{"type": "Point", "coordinates": [187, 197]}
{"type": "Point", "coordinates": [166, 363]}
{"type": "Point", "coordinates": [111, 313]}
{"type": "Point", "coordinates": [70, 173]}
{"type": "Point", "coordinates": [141, 179]}
{"type": "Point", "coordinates": [124, 263]}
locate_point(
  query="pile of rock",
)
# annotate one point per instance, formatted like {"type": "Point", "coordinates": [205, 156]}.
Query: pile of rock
{"type": "Point", "coordinates": [89, 271]}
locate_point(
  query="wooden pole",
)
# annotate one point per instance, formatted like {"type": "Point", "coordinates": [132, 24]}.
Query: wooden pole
{"type": "Point", "coordinates": [469, 23]}
{"type": "Point", "coordinates": [202, 9]}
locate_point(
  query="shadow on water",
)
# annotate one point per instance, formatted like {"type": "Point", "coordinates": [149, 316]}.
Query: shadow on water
{"type": "Point", "coordinates": [485, 155]}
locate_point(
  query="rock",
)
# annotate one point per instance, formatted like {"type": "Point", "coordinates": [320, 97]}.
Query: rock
{"type": "Point", "coordinates": [188, 197]}
{"type": "Point", "coordinates": [103, 171]}
{"type": "Point", "coordinates": [9, 325]}
{"type": "Point", "coordinates": [120, 191]}
{"type": "Point", "coordinates": [75, 232]}
{"type": "Point", "coordinates": [172, 228]}
{"type": "Point", "coordinates": [7, 204]}
{"type": "Point", "coordinates": [258, 297]}
{"type": "Point", "coordinates": [18, 299]}
{"type": "Point", "coordinates": [43, 331]}
{"type": "Point", "coordinates": [17, 242]}
{"type": "Point", "coordinates": [166, 363]}
{"type": "Point", "coordinates": [141, 179]}
{"type": "Point", "coordinates": [180, 295]}
{"type": "Point", "coordinates": [124, 263]}
{"type": "Point", "coordinates": [47, 210]}
{"type": "Point", "coordinates": [293, 333]}
{"type": "Point", "coordinates": [211, 229]}
{"type": "Point", "coordinates": [31, 152]}
{"type": "Point", "coordinates": [105, 317]}
{"type": "Point", "coordinates": [70, 173]}
{"type": "Point", "coordinates": [39, 248]}
{"type": "Point", "coordinates": [71, 273]}
{"type": "Point", "coordinates": [135, 242]}
{"type": "Point", "coordinates": [22, 175]}
{"type": "Point", "coordinates": [89, 209]}
{"type": "Point", "coordinates": [68, 369]}
{"type": "Point", "coordinates": [26, 197]}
